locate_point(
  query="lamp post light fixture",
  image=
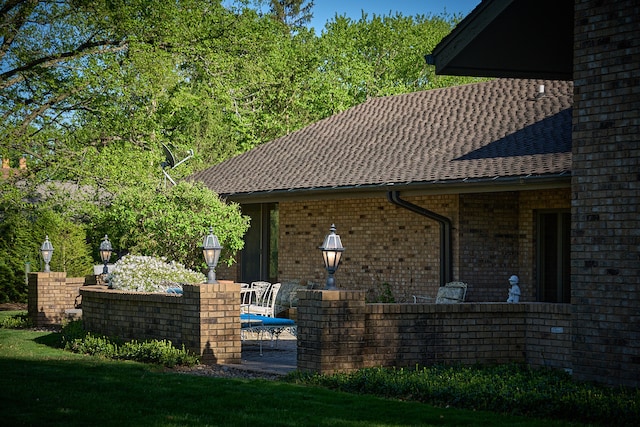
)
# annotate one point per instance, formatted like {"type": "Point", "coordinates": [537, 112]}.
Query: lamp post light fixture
{"type": "Point", "coordinates": [211, 250]}
{"type": "Point", "coordinates": [331, 253]}
{"type": "Point", "coordinates": [47, 251]}
{"type": "Point", "coordinates": [105, 253]}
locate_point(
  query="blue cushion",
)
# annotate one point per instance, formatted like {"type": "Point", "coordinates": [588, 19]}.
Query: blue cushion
{"type": "Point", "coordinates": [174, 291]}
{"type": "Point", "coordinates": [267, 321]}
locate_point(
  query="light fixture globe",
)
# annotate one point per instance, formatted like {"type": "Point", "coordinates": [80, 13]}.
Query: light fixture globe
{"type": "Point", "coordinates": [211, 250]}
{"type": "Point", "coordinates": [105, 253]}
{"type": "Point", "coordinates": [47, 252]}
{"type": "Point", "coordinates": [331, 254]}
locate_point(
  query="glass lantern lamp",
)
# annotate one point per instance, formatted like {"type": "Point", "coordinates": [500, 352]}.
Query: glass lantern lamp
{"type": "Point", "coordinates": [105, 253]}
{"type": "Point", "coordinates": [47, 252]}
{"type": "Point", "coordinates": [211, 250]}
{"type": "Point", "coordinates": [331, 254]}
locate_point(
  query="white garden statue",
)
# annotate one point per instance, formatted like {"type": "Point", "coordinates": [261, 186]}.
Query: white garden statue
{"type": "Point", "coordinates": [514, 290]}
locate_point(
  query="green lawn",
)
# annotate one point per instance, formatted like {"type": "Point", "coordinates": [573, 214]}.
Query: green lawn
{"type": "Point", "coordinates": [42, 385]}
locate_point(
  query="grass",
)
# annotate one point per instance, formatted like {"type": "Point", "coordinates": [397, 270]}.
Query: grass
{"type": "Point", "coordinates": [43, 385]}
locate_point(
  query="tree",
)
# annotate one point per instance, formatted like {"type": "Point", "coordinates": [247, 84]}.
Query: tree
{"type": "Point", "coordinates": [171, 224]}
{"type": "Point", "coordinates": [293, 13]}
{"type": "Point", "coordinates": [382, 56]}
{"type": "Point", "coordinates": [91, 90]}
{"type": "Point", "coordinates": [21, 234]}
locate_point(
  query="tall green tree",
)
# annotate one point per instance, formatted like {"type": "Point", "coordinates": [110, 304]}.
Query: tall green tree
{"type": "Point", "coordinates": [382, 55]}
{"type": "Point", "coordinates": [91, 91]}
{"type": "Point", "coordinates": [294, 14]}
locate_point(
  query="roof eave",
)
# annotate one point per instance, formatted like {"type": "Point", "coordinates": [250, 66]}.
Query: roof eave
{"type": "Point", "coordinates": [462, 186]}
{"type": "Point", "coordinates": [510, 39]}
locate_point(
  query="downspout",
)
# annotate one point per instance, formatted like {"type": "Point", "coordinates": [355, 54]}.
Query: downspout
{"type": "Point", "coordinates": [446, 254]}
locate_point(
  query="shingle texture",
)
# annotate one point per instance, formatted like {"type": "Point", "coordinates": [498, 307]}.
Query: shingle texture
{"type": "Point", "coordinates": [499, 128]}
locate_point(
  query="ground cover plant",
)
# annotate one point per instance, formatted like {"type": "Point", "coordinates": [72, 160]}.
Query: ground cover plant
{"type": "Point", "coordinates": [42, 384]}
{"type": "Point", "coordinates": [510, 389]}
{"type": "Point", "coordinates": [161, 352]}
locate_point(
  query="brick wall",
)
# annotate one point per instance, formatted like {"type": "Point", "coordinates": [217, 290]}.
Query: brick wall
{"type": "Point", "coordinates": [384, 244]}
{"type": "Point", "coordinates": [493, 238]}
{"type": "Point", "coordinates": [338, 332]}
{"type": "Point", "coordinates": [489, 236]}
{"type": "Point", "coordinates": [205, 318]}
{"type": "Point", "coordinates": [606, 192]}
{"type": "Point", "coordinates": [49, 295]}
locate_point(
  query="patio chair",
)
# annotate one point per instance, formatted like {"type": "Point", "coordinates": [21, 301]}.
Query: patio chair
{"type": "Point", "coordinates": [452, 293]}
{"type": "Point", "coordinates": [264, 304]}
{"type": "Point", "coordinates": [259, 288]}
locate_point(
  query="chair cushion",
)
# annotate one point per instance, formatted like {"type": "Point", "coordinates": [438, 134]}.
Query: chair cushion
{"type": "Point", "coordinates": [267, 321]}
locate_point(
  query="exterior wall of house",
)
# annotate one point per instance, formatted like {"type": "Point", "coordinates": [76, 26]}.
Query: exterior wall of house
{"type": "Point", "coordinates": [493, 238]}
{"type": "Point", "coordinates": [383, 244]}
{"type": "Point", "coordinates": [606, 192]}
{"type": "Point", "coordinates": [489, 235]}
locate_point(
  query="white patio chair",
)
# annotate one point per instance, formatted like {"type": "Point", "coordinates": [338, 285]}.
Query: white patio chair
{"type": "Point", "coordinates": [259, 288]}
{"type": "Point", "coordinates": [265, 303]}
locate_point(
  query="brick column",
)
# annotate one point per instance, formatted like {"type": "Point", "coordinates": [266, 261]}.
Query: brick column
{"type": "Point", "coordinates": [605, 259]}
{"type": "Point", "coordinates": [49, 295]}
{"type": "Point", "coordinates": [211, 322]}
{"type": "Point", "coordinates": [331, 328]}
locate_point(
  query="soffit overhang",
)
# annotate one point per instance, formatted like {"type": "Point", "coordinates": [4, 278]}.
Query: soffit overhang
{"type": "Point", "coordinates": [510, 38]}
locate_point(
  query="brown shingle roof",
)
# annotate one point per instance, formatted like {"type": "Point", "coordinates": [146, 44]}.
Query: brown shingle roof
{"type": "Point", "coordinates": [498, 128]}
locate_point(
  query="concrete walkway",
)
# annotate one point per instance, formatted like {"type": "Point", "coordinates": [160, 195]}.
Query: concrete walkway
{"type": "Point", "coordinates": [277, 359]}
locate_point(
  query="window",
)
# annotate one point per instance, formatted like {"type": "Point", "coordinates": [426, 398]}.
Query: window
{"type": "Point", "coordinates": [553, 255]}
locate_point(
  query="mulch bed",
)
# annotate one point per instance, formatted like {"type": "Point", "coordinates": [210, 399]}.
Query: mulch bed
{"type": "Point", "coordinates": [13, 306]}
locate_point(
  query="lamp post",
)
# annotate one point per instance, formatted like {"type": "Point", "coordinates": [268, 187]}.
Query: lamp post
{"type": "Point", "coordinates": [105, 253]}
{"type": "Point", "coordinates": [27, 270]}
{"type": "Point", "coordinates": [211, 250]}
{"type": "Point", "coordinates": [331, 253]}
{"type": "Point", "coordinates": [47, 251]}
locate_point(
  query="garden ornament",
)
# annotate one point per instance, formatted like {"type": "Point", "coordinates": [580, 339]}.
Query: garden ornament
{"type": "Point", "coordinates": [514, 290]}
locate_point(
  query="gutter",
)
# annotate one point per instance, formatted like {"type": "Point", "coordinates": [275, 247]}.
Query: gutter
{"type": "Point", "coordinates": [446, 252]}
{"type": "Point", "coordinates": [458, 186]}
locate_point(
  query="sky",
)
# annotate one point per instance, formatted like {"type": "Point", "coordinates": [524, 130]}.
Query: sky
{"type": "Point", "coordinates": [325, 10]}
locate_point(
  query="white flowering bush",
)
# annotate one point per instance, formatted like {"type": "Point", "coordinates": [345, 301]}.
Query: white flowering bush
{"type": "Point", "coordinates": [150, 274]}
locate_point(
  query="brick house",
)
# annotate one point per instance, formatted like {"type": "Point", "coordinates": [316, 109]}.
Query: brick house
{"type": "Point", "coordinates": [566, 220]}
{"type": "Point", "coordinates": [596, 45]}
{"type": "Point", "coordinates": [467, 183]}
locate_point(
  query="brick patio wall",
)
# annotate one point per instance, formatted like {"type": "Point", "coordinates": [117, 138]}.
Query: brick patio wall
{"type": "Point", "coordinates": [339, 332]}
{"type": "Point", "coordinates": [49, 295]}
{"type": "Point", "coordinates": [205, 318]}
{"type": "Point", "coordinates": [605, 254]}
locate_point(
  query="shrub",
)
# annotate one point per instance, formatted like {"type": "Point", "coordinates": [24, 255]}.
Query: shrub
{"type": "Point", "coordinates": [94, 346]}
{"type": "Point", "coordinates": [158, 352]}
{"type": "Point", "coordinates": [512, 389]}
{"type": "Point", "coordinates": [150, 274]}
{"type": "Point", "coordinates": [162, 352]}
{"type": "Point", "coordinates": [17, 321]}
{"type": "Point", "coordinates": [23, 230]}
{"type": "Point", "coordinates": [71, 331]}
{"type": "Point", "coordinates": [172, 223]}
